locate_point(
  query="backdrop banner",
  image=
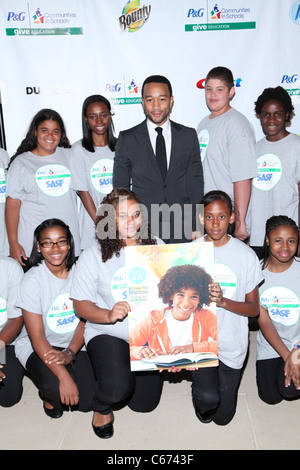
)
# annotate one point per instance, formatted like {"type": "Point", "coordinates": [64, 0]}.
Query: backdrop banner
{"type": "Point", "coordinates": [56, 53]}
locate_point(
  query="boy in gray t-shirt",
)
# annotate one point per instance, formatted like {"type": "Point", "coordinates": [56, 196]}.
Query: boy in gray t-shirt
{"type": "Point", "coordinates": [227, 143]}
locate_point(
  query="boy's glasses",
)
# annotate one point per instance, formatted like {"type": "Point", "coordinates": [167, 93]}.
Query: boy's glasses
{"type": "Point", "coordinates": [48, 244]}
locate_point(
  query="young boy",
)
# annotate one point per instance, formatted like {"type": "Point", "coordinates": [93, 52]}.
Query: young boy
{"type": "Point", "coordinates": [227, 144]}
{"type": "Point", "coordinates": [275, 190]}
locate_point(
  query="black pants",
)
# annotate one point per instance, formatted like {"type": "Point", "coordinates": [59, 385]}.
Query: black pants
{"type": "Point", "coordinates": [11, 388]}
{"type": "Point", "coordinates": [48, 383]}
{"type": "Point", "coordinates": [215, 389]}
{"type": "Point", "coordinates": [270, 382]}
{"type": "Point", "coordinates": [116, 384]}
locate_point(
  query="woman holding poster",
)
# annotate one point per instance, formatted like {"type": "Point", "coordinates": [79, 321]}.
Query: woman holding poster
{"type": "Point", "coordinates": [99, 296]}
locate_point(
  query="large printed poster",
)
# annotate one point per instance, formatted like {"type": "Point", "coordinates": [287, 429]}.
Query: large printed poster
{"type": "Point", "coordinates": [172, 321]}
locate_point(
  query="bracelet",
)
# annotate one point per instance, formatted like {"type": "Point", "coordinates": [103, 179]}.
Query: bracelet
{"type": "Point", "coordinates": [70, 352]}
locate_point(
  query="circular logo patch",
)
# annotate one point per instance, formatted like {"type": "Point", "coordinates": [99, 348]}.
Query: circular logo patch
{"type": "Point", "coordinates": [101, 175]}
{"type": "Point", "coordinates": [269, 171]}
{"type": "Point", "coordinates": [53, 180]}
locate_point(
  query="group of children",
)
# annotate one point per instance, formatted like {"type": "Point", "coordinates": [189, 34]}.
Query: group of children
{"type": "Point", "coordinates": [60, 320]}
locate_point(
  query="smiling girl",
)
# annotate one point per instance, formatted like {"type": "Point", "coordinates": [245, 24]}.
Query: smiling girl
{"type": "Point", "coordinates": [38, 183]}
{"type": "Point", "coordinates": [278, 363]}
{"type": "Point", "coordinates": [53, 336]}
{"type": "Point", "coordinates": [99, 296]}
{"type": "Point", "coordinates": [235, 291]}
{"type": "Point", "coordinates": [92, 162]}
{"type": "Point", "coordinates": [275, 190]}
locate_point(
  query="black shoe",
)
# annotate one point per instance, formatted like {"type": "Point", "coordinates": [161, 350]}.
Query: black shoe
{"type": "Point", "coordinates": [203, 417]}
{"type": "Point", "coordinates": [106, 431]}
{"type": "Point", "coordinates": [53, 412]}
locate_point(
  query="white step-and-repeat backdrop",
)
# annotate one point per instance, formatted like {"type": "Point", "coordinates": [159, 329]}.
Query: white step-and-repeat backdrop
{"type": "Point", "coordinates": [56, 53]}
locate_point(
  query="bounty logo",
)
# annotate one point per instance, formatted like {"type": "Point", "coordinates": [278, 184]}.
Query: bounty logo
{"type": "Point", "coordinates": [134, 16]}
{"type": "Point", "coordinates": [38, 18]}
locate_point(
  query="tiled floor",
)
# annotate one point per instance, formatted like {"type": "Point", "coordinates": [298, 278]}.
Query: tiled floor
{"type": "Point", "coordinates": [172, 426]}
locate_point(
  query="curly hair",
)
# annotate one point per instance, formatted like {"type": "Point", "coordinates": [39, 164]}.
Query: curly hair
{"type": "Point", "coordinates": [277, 94]}
{"type": "Point", "coordinates": [112, 243]}
{"type": "Point", "coordinates": [187, 276]}
{"type": "Point", "coordinates": [272, 223]}
{"type": "Point", "coordinates": [29, 143]}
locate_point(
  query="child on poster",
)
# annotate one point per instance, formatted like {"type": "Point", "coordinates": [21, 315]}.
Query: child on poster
{"type": "Point", "coordinates": [185, 326]}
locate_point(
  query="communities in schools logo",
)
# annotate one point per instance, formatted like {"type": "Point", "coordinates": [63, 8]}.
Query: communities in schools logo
{"type": "Point", "coordinates": [39, 23]}
{"type": "Point", "coordinates": [134, 16]}
{"type": "Point", "coordinates": [219, 18]}
{"type": "Point", "coordinates": [125, 91]}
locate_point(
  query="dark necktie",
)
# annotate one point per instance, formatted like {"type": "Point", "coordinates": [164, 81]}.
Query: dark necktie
{"type": "Point", "coordinates": [161, 154]}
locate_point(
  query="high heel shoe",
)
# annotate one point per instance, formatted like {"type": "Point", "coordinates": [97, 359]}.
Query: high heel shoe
{"type": "Point", "coordinates": [106, 431]}
{"type": "Point", "coordinates": [53, 412]}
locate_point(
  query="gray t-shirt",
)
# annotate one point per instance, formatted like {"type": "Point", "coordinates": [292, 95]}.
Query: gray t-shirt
{"type": "Point", "coordinates": [104, 284]}
{"type": "Point", "coordinates": [42, 184]}
{"type": "Point", "coordinates": [43, 293]}
{"type": "Point", "coordinates": [275, 189]}
{"type": "Point", "coordinates": [4, 159]}
{"type": "Point", "coordinates": [91, 172]}
{"type": "Point", "coordinates": [280, 296]}
{"type": "Point", "coordinates": [238, 271]}
{"type": "Point", "coordinates": [11, 275]}
{"type": "Point", "coordinates": [227, 150]}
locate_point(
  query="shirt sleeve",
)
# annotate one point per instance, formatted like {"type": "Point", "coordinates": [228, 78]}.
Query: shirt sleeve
{"type": "Point", "coordinates": [14, 274]}
{"type": "Point", "coordinates": [84, 283]}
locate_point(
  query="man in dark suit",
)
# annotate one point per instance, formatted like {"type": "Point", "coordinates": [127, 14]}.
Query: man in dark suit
{"type": "Point", "coordinates": [165, 172]}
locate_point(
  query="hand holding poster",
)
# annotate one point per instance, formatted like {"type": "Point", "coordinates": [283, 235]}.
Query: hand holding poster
{"type": "Point", "coordinates": [171, 314]}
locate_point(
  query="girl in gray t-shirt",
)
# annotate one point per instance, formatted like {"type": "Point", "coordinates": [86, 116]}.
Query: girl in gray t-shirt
{"type": "Point", "coordinates": [11, 322]}
{"type": "Point", "coordinates": [38, 185]}
{"type": "Point", "coordinates": [50, 345]}
{"type": "Point", "coordinates": [92, 160]}
{"type": "Point", "coordinates": [235, 291]}
{"type": "Point", "coordinates": [94, 296]}
{"type": "Point", "coordinates": [278, 355]}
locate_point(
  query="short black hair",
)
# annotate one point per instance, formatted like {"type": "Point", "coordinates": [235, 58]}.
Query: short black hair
{"type": "Point", "coordinates": [271, 224]}
{"type": "Point", "coordinates": [87, 141]}
{"type": "Point", "coordinates": [221, 73]}
{"type": "Point", "coordinates": [157, 79]}
{"type": "Point", "coordinates": [277, 94]}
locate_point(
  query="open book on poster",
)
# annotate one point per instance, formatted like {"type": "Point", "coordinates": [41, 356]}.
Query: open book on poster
{"type": "Point", "coordinates": [183, 360]}
{"type": "Point", "coordinates": [167, 289]}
